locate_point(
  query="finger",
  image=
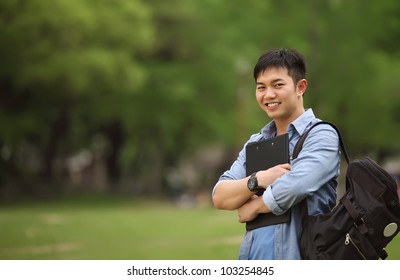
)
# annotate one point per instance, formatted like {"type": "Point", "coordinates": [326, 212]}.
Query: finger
{"type": "Point", "coordinates": [285, 166]}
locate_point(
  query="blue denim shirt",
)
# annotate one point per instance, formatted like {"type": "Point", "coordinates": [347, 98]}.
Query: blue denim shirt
{"type": "Point", "coordinates": [313, 176]}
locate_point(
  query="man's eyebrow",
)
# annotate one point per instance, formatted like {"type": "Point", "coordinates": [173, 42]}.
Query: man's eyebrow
{"type": "Point", "coordinates": [277, 80]}
{"type": "Point", "coordinates": [273, 81]}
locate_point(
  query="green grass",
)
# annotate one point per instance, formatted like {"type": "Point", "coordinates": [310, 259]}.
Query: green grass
{"type": "Point", "coordinates": [115, 229]}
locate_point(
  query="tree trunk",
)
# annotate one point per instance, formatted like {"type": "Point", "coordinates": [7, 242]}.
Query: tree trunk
{"type": "Point", "coordinates": [116, 138]}
{"type": "Point", "coordinates": [58, 131]}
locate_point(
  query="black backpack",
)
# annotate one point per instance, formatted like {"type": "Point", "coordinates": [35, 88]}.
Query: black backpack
{"type": "Point", "coordinates": [365, 220]}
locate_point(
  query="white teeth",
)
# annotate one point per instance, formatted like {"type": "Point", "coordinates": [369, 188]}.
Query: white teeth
{"type": "Point", "coordinates": [272, 104]}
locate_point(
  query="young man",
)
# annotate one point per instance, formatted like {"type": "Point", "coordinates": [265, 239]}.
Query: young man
{"type": "Point", "coordinates": [280, 86]}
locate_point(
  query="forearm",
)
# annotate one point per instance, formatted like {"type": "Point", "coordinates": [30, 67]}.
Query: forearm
{"type": "Point", "coordinates": [251, 209]}
{"type": "Point", "coordinates": [231, 194]}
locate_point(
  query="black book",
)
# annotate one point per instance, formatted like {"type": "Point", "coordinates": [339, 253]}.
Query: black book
{"type": "Point", "coordinates": [263, 155]}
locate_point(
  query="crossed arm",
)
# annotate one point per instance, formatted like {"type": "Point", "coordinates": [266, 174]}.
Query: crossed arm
{"type": "Point", "coordinates": [316, 165]}
{"type": "Point", "coordinates": [234, 194]}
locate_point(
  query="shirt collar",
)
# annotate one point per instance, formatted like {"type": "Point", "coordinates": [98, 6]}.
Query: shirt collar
{"type": "Point", "coordinates": [300, 124]}
{"type": "Point", "coordinates": [304, 121]}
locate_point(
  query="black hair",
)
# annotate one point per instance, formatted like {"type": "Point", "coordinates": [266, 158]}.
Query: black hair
{"type": "Point", "coordinates": [290, 59]}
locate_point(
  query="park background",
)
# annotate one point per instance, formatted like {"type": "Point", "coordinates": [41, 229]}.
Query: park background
{"type": "Point", "coordinates": [117, 117]}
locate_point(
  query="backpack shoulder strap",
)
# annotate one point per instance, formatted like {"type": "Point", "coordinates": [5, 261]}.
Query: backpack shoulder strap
{"type": "Point", "coordinates": [299, 144]}
{"type": "Point", "coordinates": [296, 151]}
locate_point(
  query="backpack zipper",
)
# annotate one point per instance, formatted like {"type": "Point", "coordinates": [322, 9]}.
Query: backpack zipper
{"type": "Point", "coordinates": [348, 240]}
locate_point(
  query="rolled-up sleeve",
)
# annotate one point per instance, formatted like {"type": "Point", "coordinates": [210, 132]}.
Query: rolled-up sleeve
{"type": "Point", "coordinates": [317, 164]}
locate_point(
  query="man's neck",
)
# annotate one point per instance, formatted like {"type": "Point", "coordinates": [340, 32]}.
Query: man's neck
{"type": "Point", "coordinates": [282, 125]}
{"type": "Point", "coordinates": [281, 128]}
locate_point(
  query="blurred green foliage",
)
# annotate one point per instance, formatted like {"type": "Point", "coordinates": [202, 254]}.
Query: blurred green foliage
{"type": "Point", "coordinates": [141, 84]}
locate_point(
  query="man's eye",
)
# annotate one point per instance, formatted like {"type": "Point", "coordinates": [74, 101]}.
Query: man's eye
{"type": "Point", "coordinates": [279, 85]}
{"type": "Point", "coordinates": [260, 88]}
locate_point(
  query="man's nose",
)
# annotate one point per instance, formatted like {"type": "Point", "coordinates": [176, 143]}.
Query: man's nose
{"type": "Point", "coordinates": [270, 92]}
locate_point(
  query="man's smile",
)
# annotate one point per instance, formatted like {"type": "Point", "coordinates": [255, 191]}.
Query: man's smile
{"type": "Point", "coordinates": [272, 104]}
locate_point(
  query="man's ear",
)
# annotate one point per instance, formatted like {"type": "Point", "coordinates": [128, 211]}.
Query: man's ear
{"type": "Point", "coordinates": [301, 87]}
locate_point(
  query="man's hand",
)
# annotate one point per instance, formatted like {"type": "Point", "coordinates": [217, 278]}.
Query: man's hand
{"type": "Point", "coordinates": [267, 177]}
{"type": "Point", "coordinates": [249, 211]}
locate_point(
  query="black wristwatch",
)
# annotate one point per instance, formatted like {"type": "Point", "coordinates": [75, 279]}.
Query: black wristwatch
{"type": "Point", "coordinates": [252, 183]}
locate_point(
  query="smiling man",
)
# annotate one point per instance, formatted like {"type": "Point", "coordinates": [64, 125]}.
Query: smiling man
{"type": "Point", "coordinates": [280, 76]}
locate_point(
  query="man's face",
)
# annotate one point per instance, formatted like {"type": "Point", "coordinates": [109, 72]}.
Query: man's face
{"type": "Point", "coordinates": [278, 96]}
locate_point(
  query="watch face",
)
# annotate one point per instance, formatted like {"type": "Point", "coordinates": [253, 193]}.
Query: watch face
{"type": "Point", "coordinates": [252, 183]}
